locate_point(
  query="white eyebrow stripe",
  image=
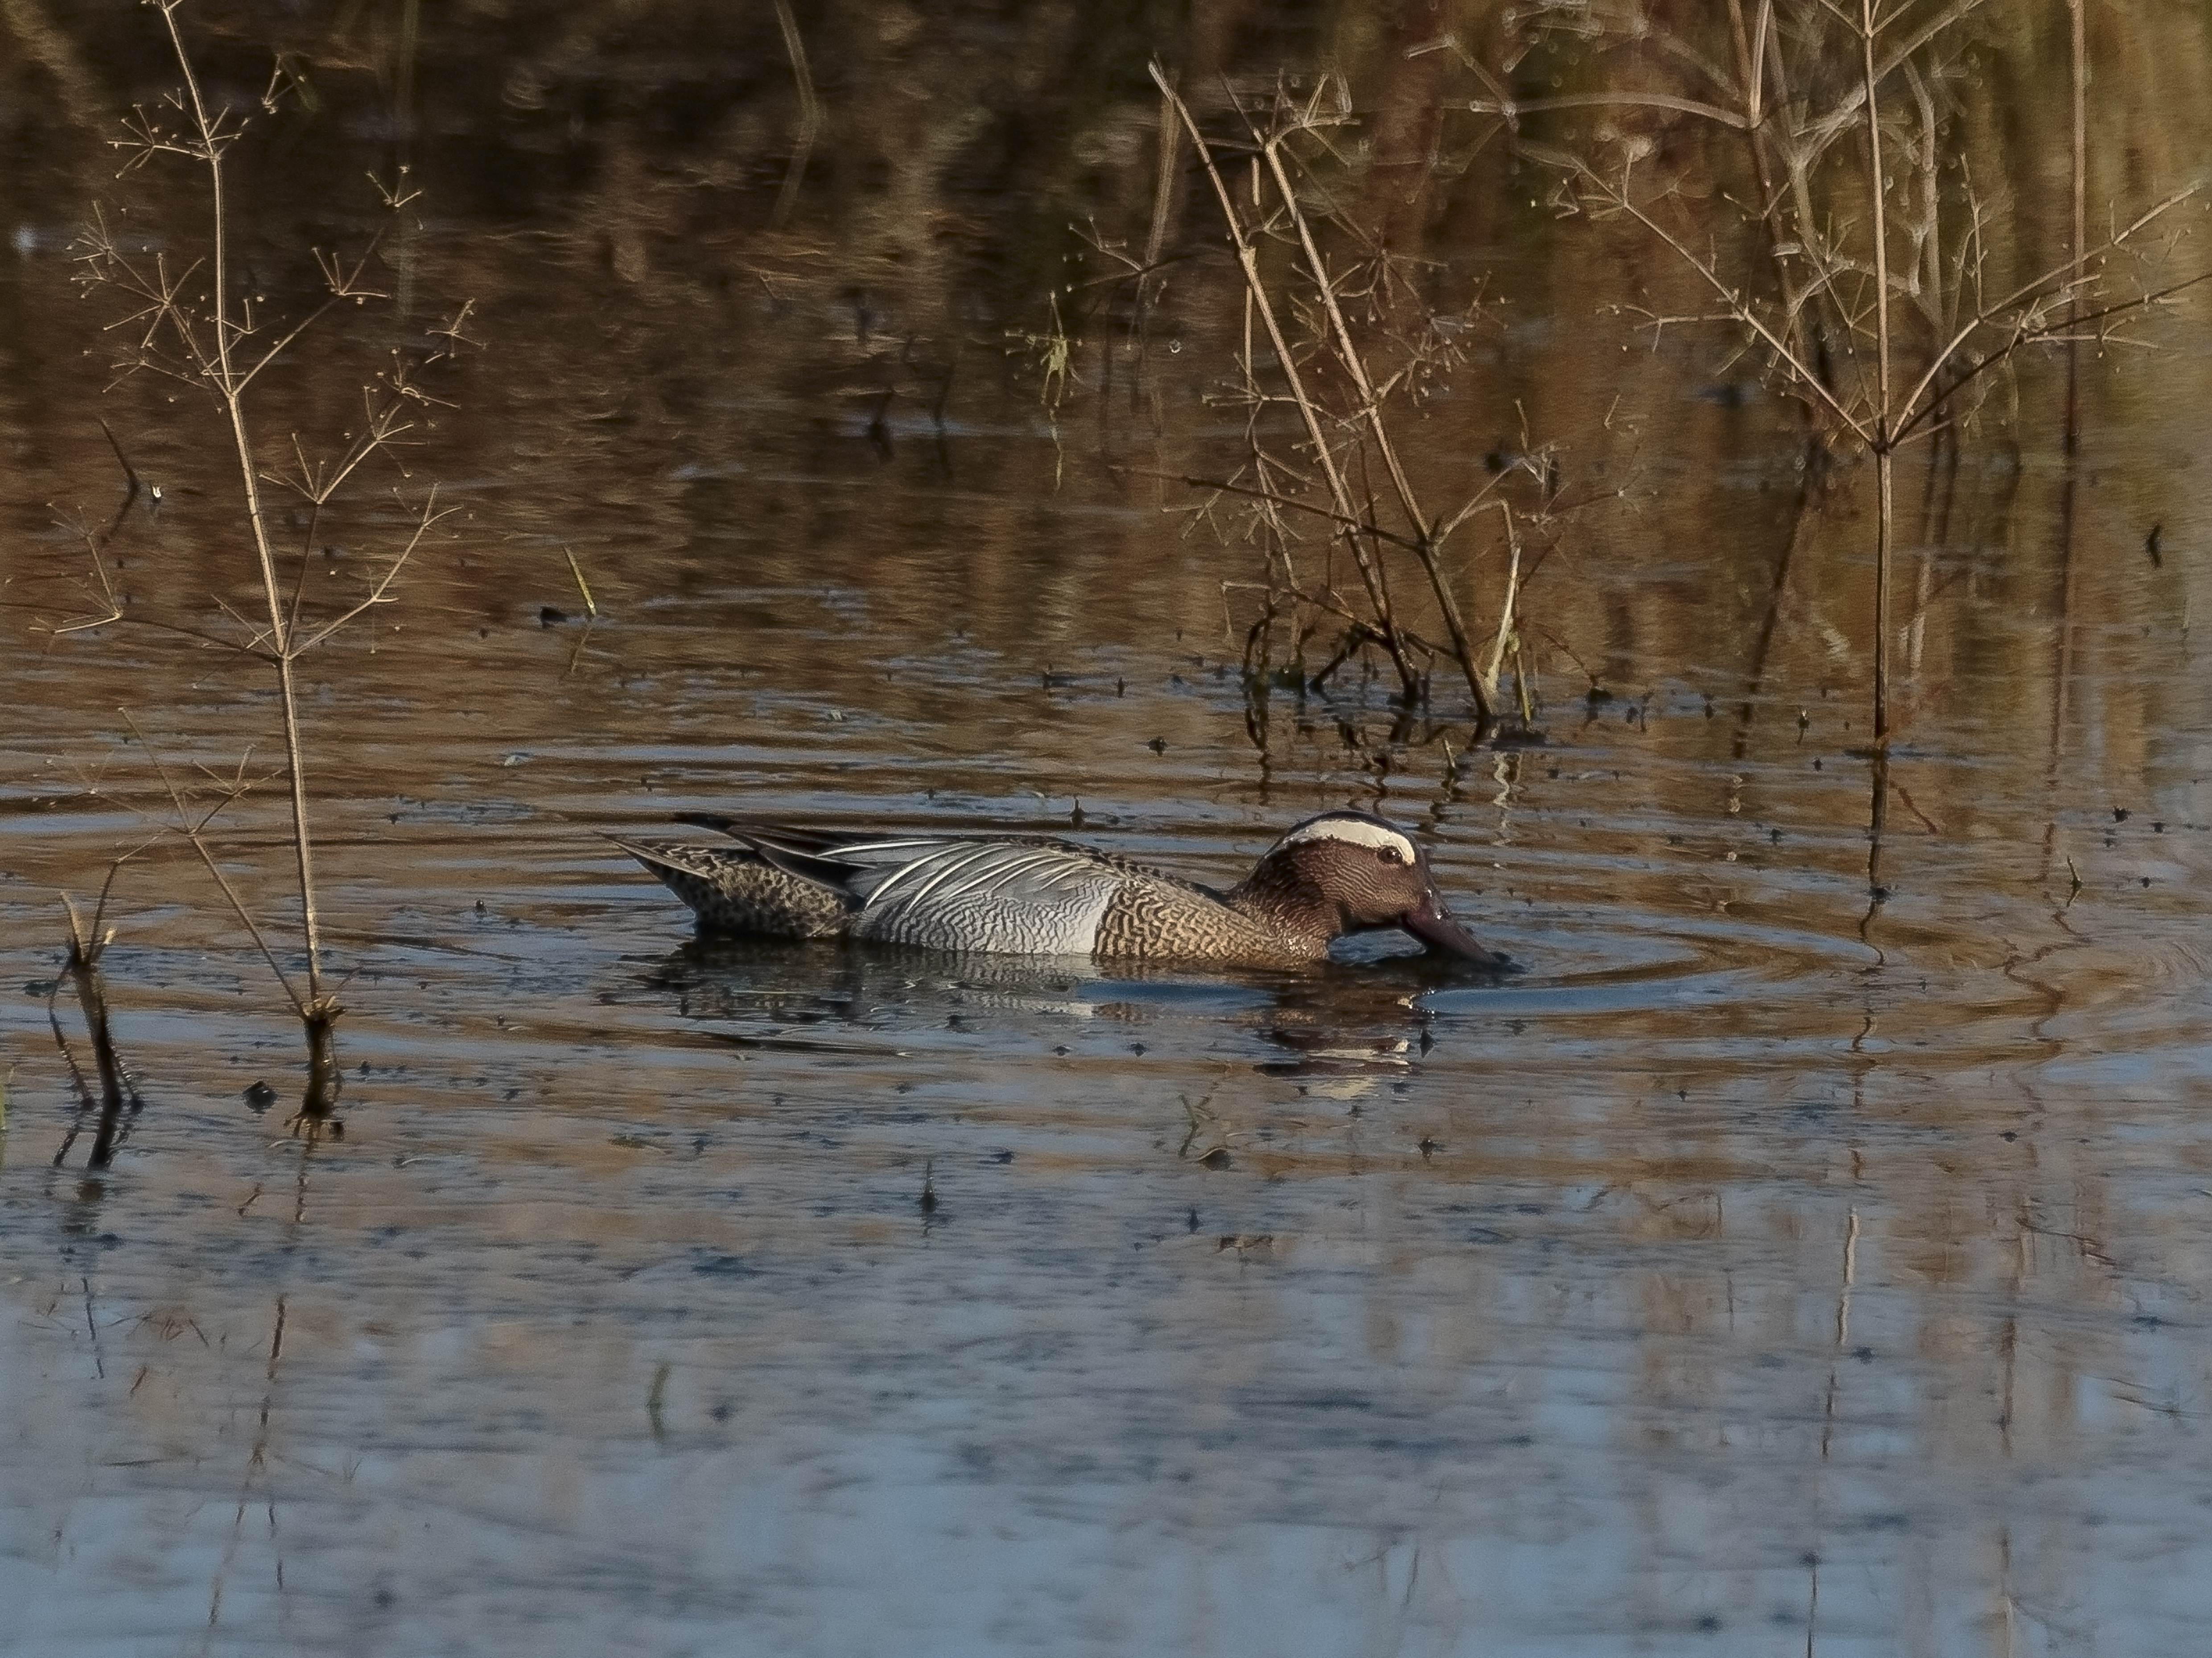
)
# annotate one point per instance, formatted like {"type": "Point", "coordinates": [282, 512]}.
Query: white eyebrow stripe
{"type": "Point", "coordinates": [1360, 831]}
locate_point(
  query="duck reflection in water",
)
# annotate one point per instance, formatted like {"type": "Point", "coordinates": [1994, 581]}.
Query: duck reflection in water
{"type": "Point", "coordinates": [838, 999]}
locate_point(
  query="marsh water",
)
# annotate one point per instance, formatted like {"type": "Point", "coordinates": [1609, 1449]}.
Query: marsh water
{"type": "Point", "coordinates": [1807, 1250]}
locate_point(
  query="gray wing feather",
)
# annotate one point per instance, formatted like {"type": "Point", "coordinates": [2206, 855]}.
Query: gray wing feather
{"type": "Point", "coordinates": [1034, 897]}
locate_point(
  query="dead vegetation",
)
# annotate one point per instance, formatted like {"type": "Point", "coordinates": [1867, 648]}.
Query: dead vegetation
{"type": "Point", "coordinates": [189, 315]}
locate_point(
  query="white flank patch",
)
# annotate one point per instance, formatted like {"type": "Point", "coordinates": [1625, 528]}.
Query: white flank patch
{"type": "Point", "coordinates": [1360, 831]}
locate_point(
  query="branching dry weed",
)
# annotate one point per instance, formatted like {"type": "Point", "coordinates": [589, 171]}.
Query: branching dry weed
{"type": "Point", "coordinates": [192, 320]}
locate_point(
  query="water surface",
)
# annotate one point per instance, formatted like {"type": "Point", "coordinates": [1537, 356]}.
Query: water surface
{"type": "Point", "coordinates": [1806, 1250]}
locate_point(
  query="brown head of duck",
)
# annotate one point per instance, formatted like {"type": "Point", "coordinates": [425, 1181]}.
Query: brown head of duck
{"type": "Point", "coordinates": [1350, 871]}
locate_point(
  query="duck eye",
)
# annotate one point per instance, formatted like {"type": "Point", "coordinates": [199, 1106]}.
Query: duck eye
{"type": "Point", "coordinates": [1390, 854]}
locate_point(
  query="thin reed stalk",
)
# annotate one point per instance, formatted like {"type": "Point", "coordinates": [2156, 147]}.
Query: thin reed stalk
{"type": "Point", "coordinates": [2078, 66]}
{"type": "Point", "coordinates": [215, 338]}
{"type": "Point", "coordinates": [1424, 533]}
{"type": "Point", "coordinates": [1349, 522]}
{"type": "Point", "coordinates": [87, 942]}
{"type": "Point", "coordinates": [809, 115]}
{"type": "Point", "coordinates": [1368, 497]}
{"type": "Point", "coordinates": [1836, 294]}
{"type": "Point", "coordinates": [1881, 441]}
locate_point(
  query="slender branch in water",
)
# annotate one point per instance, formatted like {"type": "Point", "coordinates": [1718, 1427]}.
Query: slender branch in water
{"type": "Point", "coordinates": [810, 114]}
{"type": "Point", "coordinates": [591, 606]}
{"type": "Point", "coordinates": [1505, 629]}
{"type": "Point", "coordinates": [195, 833]}
{"type": "Point", "coordinates": [1884, 443]}
{"type": "Point", "coordinates": [1831, 295]}
{"type": "Point", "coordinates": [1263, 305]}
{"type": "Point", "coordinates": [1370, 411]}
{"type": "Point", "coordinates": [229, 386]}
{"type": "Point", "coordinates": [2026, 334]}
{"type": "Point", "coordinates": [1222, 486]}
{"type": "Point", "coordinates": [86, 946]}
{"type": "Point", "coordinates": [430, 515]}
{"type": "Point", "coordinates": [200, 327]}
{"type": "Point", "coordinates": [1803, 376]}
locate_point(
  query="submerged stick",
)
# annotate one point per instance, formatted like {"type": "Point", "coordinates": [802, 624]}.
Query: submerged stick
{"type": "Point", "coordinates": [325, 1080]}
{"type": "Point", "coordinates": [583, 586]}
{"type": "Point", "coordinates": [86, 946]}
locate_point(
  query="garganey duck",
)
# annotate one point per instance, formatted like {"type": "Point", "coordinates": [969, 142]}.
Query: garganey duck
{"type": "Point", "coordinates": [1343, 872]}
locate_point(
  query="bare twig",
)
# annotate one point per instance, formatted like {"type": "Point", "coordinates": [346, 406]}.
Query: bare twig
{"type": "Point", "coordinates": [195, 326]}
{"type": "Point", "coordinates": [810, 114]}
{"type": "Point", "coordinates": [87, 944]}
{"type": "Point", "coordinates": [1324, 455]}
{"type": "Point", "coordinates": [1884, 441]}
{"type": "Point", "coordinates": [1370, 411]}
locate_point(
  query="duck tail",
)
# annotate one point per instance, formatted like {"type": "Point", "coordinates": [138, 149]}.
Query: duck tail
{"type": "Point", "coordinates": [659, 856]}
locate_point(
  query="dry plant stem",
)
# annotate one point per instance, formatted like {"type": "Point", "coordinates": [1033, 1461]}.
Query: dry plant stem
{"type": "Point", "coordinates": [199, 327]}
{"type": "Point", "coordinates": [2046, 307]}
{"type": "Point", "coordinates": [1165, 195]}
{"type": "Point", "coordinates": [1883, 443]}
{"type": "Point", "coordinates": [1741, 311]}
{"type": "Point", "coordinates": [229, 383]}
{"type": "Point", "coordinates": [1787, 140]}
{"type": "Point", "coordinates": [1248, 257]}
{"type": "Point", "coordinates": [1753, 49]}
{"type": "Point", "coordinates": [1370, 408]}
{"type": "Point", "coordinates": [809, 115]}
{"type": "Point", "coordinates": [2080, 74]}
{"type": "Point", "coordinates": [1506, 632]}
{"type": "Point", "coordinates": [319, 1013]}
{"type": "Point", "coordinates": [1926, 404]}
{"type": "Point", "coordinates": [591, 607]}
{"type": "Point", "coordinates": [2062, 679]}
{"type": "Point", "coordinates": [86, 946]}
{"type": "Point", "coordinates": [194, 833]}
{"type": "Point", "coordinates": [1820, 134]}
{"type": "Point", "coordinates": [1271, 498]}
{"type": "Point", "coordinates": [319, 1105]}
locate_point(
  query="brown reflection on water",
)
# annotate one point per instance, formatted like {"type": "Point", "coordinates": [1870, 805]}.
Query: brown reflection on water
{"type": "Point", "coordinates": [1772, 1263]}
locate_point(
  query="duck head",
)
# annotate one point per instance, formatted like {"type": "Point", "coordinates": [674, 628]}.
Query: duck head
{"type": "Point", "coordinates": [1350, 871]}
